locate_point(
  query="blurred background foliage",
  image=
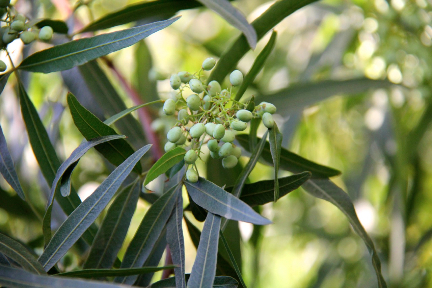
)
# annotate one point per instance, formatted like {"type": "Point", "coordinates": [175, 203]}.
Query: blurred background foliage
{"type": "Point", "coordinates": [352, 84]}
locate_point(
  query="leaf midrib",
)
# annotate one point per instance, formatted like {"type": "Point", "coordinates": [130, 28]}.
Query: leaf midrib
{"type": "Point", "coordinates": [21, 255]}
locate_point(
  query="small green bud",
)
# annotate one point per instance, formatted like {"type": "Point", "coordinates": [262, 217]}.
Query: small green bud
{"type": "Point", "coordinates": [208, 64]}
{"type": "Point", "coordinates": [4, 3]}
{"type": "Point", "coordinates": [225, 94]}
{"type": "Point", "coordinates": [213, 145]}
{"type": "Point", "coordinates": [196, 86]}
{"type": "Point", "coordinates": [3, 66]}
{"type": "Point", "coordinates": [27, 37]}
{"type": "Point", "coordinates": [174, 134]}
{"type": "Point", "coordinates": [238, 125]}
{"type": "Point", "coordinates": [229, 136]}
{"type": "Point", "coordinates": [219, 131]}
{"type": "Point", "coordinates": [182, 140]}
{"type": "Point", "coordinates": [225, 150]}
{"type": "Point", "coordinates": [169, 107]}
{"type": "Point", "coordinates": [190, 157]}
{"type": "Point", "coordinates": [185, 77]}
{"type": "Point", "coordinates": [210, 128]}
{"type": "Point", "coordinates": [267, 119]}
{"type": "Point", "coordinates": [46, 33]}
{"type": "Point", "coordinates": [197, 130]}
{"type": "Point", "coordinates": [9, 36]}
{"type": "Point", "coordinates": [214, 155]}
{"type": "Point", "coordinates": [207, 102]}
{"type": "Point", "coordinates": [213, 88]}
{"type": "Point", "coordinates": [17, 25]}
{"type": "Point", "coordinates": [175, 81]}
{"type": "Point", "coordinates": [193, 102]}
{"type": "Point", "coordinates": [183, 114]}
{"type": "Point", "coordinates": [229, 162]}
{"type": "Point", "coordinates": [191, 175]}
{"type": "Point", "coordinates": [236, 78]}
{"type": "Point", "coordinates": [236, 152]}
{"type": "Point", "coordinates": [169, 146]}
{"type": "Point", "coordinates": [244, 115]}
{"type": "Point", "coordinates": [268, 107]}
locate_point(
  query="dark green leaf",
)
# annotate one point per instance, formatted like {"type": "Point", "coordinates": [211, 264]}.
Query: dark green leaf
{"type": "Point", "coordinates": [126, 112]}
{"type": "Point", "coordinates": [57, 25]}
{"type": "Point", "coordinates": [275, 140]}
{"type": "Point", "coordinates": [144, 83]}
{"type": "Point", "coordinates": [87, 212]}
{"type": "Point", "coordinates": [204, 268]}
{"type": "Point", "coordinates": [90, 273]}
{"type": "Point", "coordinates": [219, 282]}
{"type": "Point", "coordinates": [167, 161]}
{"type": "Point", "coordinates": [176, 168]}
{"type": "Point", "coordinates": [3, 80]}
{"type": "Point", "coordinates": [216, 200]}
{"type": "Point", "coordinates": [290, 161]}
{"type": "Point", "coordinates": [327, 190]}
{"type": "Point", "coordinates": [198, 212]}
{"type": "Point", "coordinates": [254, 124]}
{"type": "Point", "coordinates": [7, 168]}
{"type": "Point", "coordinates": [74, 53]}
{"type": "Point", "coordinates": [91, 127]}
{"type": "Point", "coordinates": [233, 261]}
{"type": "Point", "coordinates": [112, 232]}
{"type": "Point", "coordinates": [17, 252]}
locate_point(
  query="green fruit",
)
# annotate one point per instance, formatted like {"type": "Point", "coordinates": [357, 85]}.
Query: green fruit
{"type": "Point", "coordinates": [208, 64]}
{"type": "Point", "coordinates": [191, 175]}
{"type": "Point", "coordinates": [268, 121]}
{"type": "Point", "coordinates": [244, 115]}
{"type": "Point", "coordinates": [197, 130]}
{"type": "Point", "coordinates": [169, 107]}
{"type": "Point", "coordinates": [183, 114]}
{"type": "Point", "coordinates": [207, 102]}
{"type": "Point", "coordinates": [169, 146]}
{"type": "Point", "coordinates": [182, 140]}
{"type": "Point", "coordinates": [9, 36]}
{"type": "Point", "coordinates": [20, 17]}
{"type": "Point", "coordinates": [238, 125]}
{"type": "Point", "coordinates": [214, 155]}
{"type": "Point", "coordinates": [174, 134]}
{"type": "Point", "coordinates": [175, 81]}
{"type": "Point", "coordinates": [196, 86]}
{"type": "Point", "coordinates": [190, 157]}
{"type": "Point", "coordinates": [46, 33]}
{"type": "Point", "coordinates": [185, 77]}
{"type": "Point", "coordinates": [4, 3]}
{"type": "Point", "coordinates": [213, 145]}
{"type": "Point", "coordinates": [193, 102]}
{"type": "Point", "coordinates": [229, 162]}
{"type": "Point", "coordinates": [225, 150]}
{"type": "Point", "coordinates": [229, 136]}
{"type": "Point", "coordinates": [213, 88]}
{"type": "Point", "coordinates": [236, 152]}
{"type": "Point", "coordinates": [3, 66]}
{"type": "Point", "coordinates": [27, 37]}
{"type": "Point", "coordinates": [17, 25]}
{"type": "Point", "coordinates": [268, 107]}
{"type": "Point", "coordinates": [210, 128]}
{"type": "Point", "coordinates": [236, 78]}
{"type": "Point", "coordinates": [219, 131]}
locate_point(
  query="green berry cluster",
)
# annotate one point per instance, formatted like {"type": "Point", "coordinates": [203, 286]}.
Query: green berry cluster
{"type": "Point", "coordinates": [15, 25]}
{"type": "Point", "coordinates": [210, 116]}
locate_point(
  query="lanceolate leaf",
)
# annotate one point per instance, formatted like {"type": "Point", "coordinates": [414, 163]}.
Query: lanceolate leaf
{"type": "Point", "coordinates": [74, 53]}
{"type": "Point", "coordinates": [87, 212]}
{"type": "Point", "coordinates": [3, 80]}
{"type": "Point", "coordinates": [234, 17]}
{"type": "Point", "coordinates": [90, 273]}
{"type": "Point", "coordinates": [112, 232]}
{"type": "Point", "coordinates": [275, 140]}
{"type": "Point", "coordinates": [167, 161]}
{"type": "Point", "coordinates": [290, 161]}
{"type": "Point", "coordinates": [57, 25]}
{"type": "Point", "coordinates": [219, 282]}
{"type": "Point", "coordinates": [254, 124]}
{"type": "Point", "coordinates": [126, 112]}
{"type": "Point", "coordinates": [204, 268]}
{"type": "Point", "coordinates": [17, 252]}
{"type": "Point", "coordinates": [91, 127]}
{"type": "Point", "coordinates": [327, 190]}
{"type": "Point", "coordinates": [231, 256]}
{"type": "Point", "coordinates": [217, 201]}
{"type": "Point", "coordinates": [7, 168]}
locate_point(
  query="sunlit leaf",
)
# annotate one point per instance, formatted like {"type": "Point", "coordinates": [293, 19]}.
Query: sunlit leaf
{"type": "Point", "coordinates": [168, 160]}
{"type": "Point", "coordinates": [275, 141]}
{"type": "Point", "coordinates": [90, 273]}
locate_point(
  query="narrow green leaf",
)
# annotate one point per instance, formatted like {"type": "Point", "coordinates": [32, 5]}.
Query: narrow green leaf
{"type": "Point", "coordinates": [257, 66]}
{"type": "Point", "coordinates": [216, 200]}
{"type": "Point", "coordinates": [219, 282]}
{"type": "Point", "coordinates": [91, 127]}
{"type": "Point", "coordinates": [290, 161]}
{"type": "Point", "coordinates": [327, 190]}
{"type": "Point", "coordinates": [87, 212]}
{"type": "Point", "coordinates": [234, 17]}
{"type": "Point", "coordinates": [167, 161]}
{"type": "Point", "coordinates": [7, 168]}
{"type": "Point", "coordinates": [204, 268]}
{"type": "Point", "coordinates": [3, 80]}
{"type": "Point", "coordinates": [112, 232]}
{"type": "Point", "coordinates": [17, 252]}
{"type": "Point", "coordinates": [74, 53]}
{"type": "Point", "coordinates": [91, 273]}
{"type": "Point", "coordinates": [148, 232]}
{"type": "Point", "coordinates": [144, 82]}
{"type": "Point", "coordinates": [254, 124]}
{"type": "Point", "coordinates": [57, 25]}
{"type": "Point", "coordinates": [275, 140]}
{"type": "Point", "coordinates": [126, 112]}
{"type": "Point", "coordinates": [233, 261]}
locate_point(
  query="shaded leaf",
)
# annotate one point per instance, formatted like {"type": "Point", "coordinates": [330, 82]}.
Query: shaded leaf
{"type": "Point", "coordinates": [254, 124]}
{"type": "Point", "coordinates": [57, 25]}
{"type": "Point", "coordinates": [233, 261]}
{"type": "Point", "coordinates": [90, 273]}
{"type": "Point", "coordinates": [3, 80]}
{"type": "Point", "coordinates": [219, 282]}
{"type": "Point", "coordinates": [74, 53]}
{"type": "Point", "coordinates": [126, 112]}
{"type": "Point", "coordinates": [275, 140]}
{"type": "Point", "coordinates": [144, 83]}
{"type": "Point", "coordinates": [168, 160]}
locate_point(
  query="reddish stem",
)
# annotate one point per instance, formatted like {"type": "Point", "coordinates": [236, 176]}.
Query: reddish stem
{"type": "Point", "coordinates": [168, 261]}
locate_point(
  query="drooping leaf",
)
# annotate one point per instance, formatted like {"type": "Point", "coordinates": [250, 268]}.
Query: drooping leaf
{"type": "Point", "coordinates": [112, 232]}
{"type": "Point", "coordinates": [234, 17]}
{"type": "Point", "coordinates": [7, 168]}
{"type": "Point", "coordinates": [148, 232]}
{"type": "Point", "coordinates": [91, 127]}
{"type": "Point", "coordinates": [167, 161]}
{"type": "Point", "coordinates": [92, 273]}
{"type": "Point", "coordinates": [126, 112]}
{"type": "Point", "coordinates": [83, 216]}
{"type": "Point", "coordinates": [327, 190]}
{"type": "Point", "coordinates": [18, 253]}
{"type": "Point", "coordinates": [144, 83]}
{"type": "Point", "coordinates": [74, 53]}
{"type": "Point", "coordinates": [3, 80]}
{"type": "Point", "coordinates": [290, 161]}
{"type": "Point", "coordinates": [275, 140]}
{"type": "Point", "coordinates": [233, 261]}
{"type": "Point", "coordinates": [204, 268]}
{"type": "Point", "coordinates": [57, 25]}
{"type": "Point", "coordinates": [216, 200]}
{"type": "Point", "coordinates": [219, 282]}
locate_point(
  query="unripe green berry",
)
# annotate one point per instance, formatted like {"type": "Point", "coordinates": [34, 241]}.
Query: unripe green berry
{"type": "Point", "coordinates": [193, 102]}
{"type": "Point", "coordinates": [20, 17]}
{"type": "Point", "coordinates": [214, 155]}
{"type": "Point", "coordinates": [213, 88]}
{"type": "Point", "coordinates": [182, 140]}
{"type": "Point", "coordinates": [191, 175]}
{"type": "Point", "coordinates": [238, 125]}
{"type": "Point", "coordinates": [46, 33]}
{"type": "Point", "coordinates": [169, 146]}
{"type": "Point", "coordinates": [169, 107]}
{"type": "Point", "coordinates": [17, 25]}
{"type": "Point", "coordinates": [190, 157]}
{"type": "Point", "coordinates": [244, 115]}
{"type": "Point", "coordinates": [229, 162]}
{"type": "Point", "coordinates": [3, 66]}
{"type": "Point", "coordinates": [9, 36]}
{"type": "Point", "coordinates": [213, 145]}
{"type": "Point", "coordinates": [236, 152]}
{"type": "Point", "coordinates": [207, 102]}
{"type": "Point", "coordinates": [175, 81]}
{"type": "Point", "coordinates": [27, 37]}
{"type": "Point", "coordinates": [210, 128]}
{"type": "Point", "coordinates": [185, 77]}
{"type": "Point", "coordinates": [208, 64]}
{"type": "Point", "coordinates": [4, 3]}
{"type": "Point", "coordinates": [268, 107]}
{"type": "Point", "coordinates": [196, 85]}
{"type": "Point", "coordinates": [225, 150]}
{"type": "Point", "coordinates": [219, 131]}
{"type": "Point", "coordinates": [236, 78]}
{"type": "Point", "coordinates": [183, 114]}
{"type": "Point", "coordinates": [229, 136]}
{"type": "Point", "coordinates": [174, 134]}
{"type": "Point", "coordinates": [268, 121]}
{"type": "Point", "coordinates": [197, 130]}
